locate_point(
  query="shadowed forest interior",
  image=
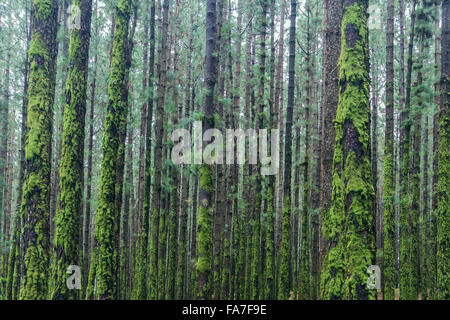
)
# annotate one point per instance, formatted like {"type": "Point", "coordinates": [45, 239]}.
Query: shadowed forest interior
{"type": "Point", "coordinates": [353, 98]}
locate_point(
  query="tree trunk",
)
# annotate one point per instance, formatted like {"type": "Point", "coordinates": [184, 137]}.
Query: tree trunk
{"type": "Point", "coordinates": [285, 272]}
{"type": "Point", "coordinates": [35, 208]}
{"type": "Point", "coordinates": [444, 161]}
{"type": "Point", "coordinates": [106, 226]}
{"type": "Point", "coordinates": [330, 95]}
{"type": "Point", "coordinates": [349, 226]}
{"type": "Point", "coordinates": [389, 178]}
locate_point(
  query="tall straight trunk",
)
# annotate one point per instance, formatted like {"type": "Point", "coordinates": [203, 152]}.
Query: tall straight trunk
{"type": "Point", "coordinates": [159, 132]}
{"type": "Point", "coordinates": [140, 289]}
{"type": "Point", "coordinates": [297, 215]}
{"type": "Point", "coordinates": [231, 174]}
{"type": "Point", "coordinates": [374, 156]}
{"type": "Point", "coordinates": [426, 235]}
{"type": "Point", "coordinates": [246, 244]}
{"type": "Point", "coordinates": [106, 226]}
{"type": "Point", "coordinates": [444, 161]}
{"type": "Point", "coordinates": [330, 95]}
{"type": "Point", "coordinates": [434, 197]}
{"type": "Point", "coordinates": [120, 165]}
{"type": "Point", "coordinates": [269, 267]}
{"type": "Point", "coordinates": [4, 166]}
{"type": "Point", "coordinates": [68, 216]}
{"type": "Point", "coordinates": [15, 257]}
{"type": "Point", "coordinates": [416, 223]}
{"type": "Point", "coordinates": [279, 110]}
{"type": "Point", "coordinates": [349, 226]}
{"type": "Point", "coordinates": [181, 281]}
{"type": "Point", "coordinates": [59, 116]}
{"type": "Point", "coordinates": [87, 215]}
{"type": "Point", "coordinates": [389, 178]}
{"type": "Point", "coordinates": [304, 268]}
{"type": "Point", "coordinates": [174, 170]}
{"type": "Point", "coordinates": [141, 174]}
{"type": "Point", "coordinates": [219, 186]}
{"type": "Point", "coordinates": [401, 93]}
{"type": "Point", "coordinates": [125, 269]}
{"type": "Point", "coordinates": [206, 209]}
{"type": "Point", "coordinates": [405, 267]}
{"type": "Point", "coordinates": [260, 120]}
{"type": "Point", "coordinates": [285, 272]}
{"type": "Point", "coordinates": [35, 207]}
{"type": "Point", "coordinates": [315, 180]}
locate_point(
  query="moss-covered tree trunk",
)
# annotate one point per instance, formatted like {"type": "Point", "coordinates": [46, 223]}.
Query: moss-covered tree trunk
{"type": "Point", "coordinates": [406, 124]}
{"type": "Point", "coordinates": [106, 226]}
{"type": "Point", "coordinates": [206, 208]}
{"type": "Point", "coordinates": [444, 162]}
{"type": "Point", "coordinates": [157, 203]}
{"type": "Point", "coordinates": [15, 260]}
{"type": "Point", "coordinates": [285, 272]}
{"type": "Point", "coordinates": [140, 270]}
{"type": "Point", "coordinates": [87, 213]}
{"type": "Point", "coordinates": [35, 208]}
{"type": "Point", "coordinates": [269, 263]}
{"type": "Point", "coordinates": [389, 179]}
{"type": "Point", "coordinates": [68, 213]}
{"type": "Point", "coordinates": [349, 225]}
{"type": "Point", "coordinates": [330, 75]}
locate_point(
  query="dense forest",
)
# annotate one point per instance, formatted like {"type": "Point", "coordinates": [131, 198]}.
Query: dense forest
{"type": "Point", "coordinates": [224, 149]}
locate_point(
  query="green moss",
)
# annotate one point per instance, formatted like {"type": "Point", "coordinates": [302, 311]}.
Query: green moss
{"type": "Point", "coordinates": [204, 234]}
{"type": "Point", "coordinates": [90, 290]}
{"type": "Point", "coordinates": [153, 263]}
{"type": "Point", "coordinates": [269, 270]}
{"type": "Point", "coordinates": [36, 187]}
{"type": "Point", "coordinates": [389, 226]}
{"type": "Point", "coordinates": [68, 213]}
{"type": "Point", "coordinates": [115, 122]}
{"type": "Point", "coordinates": [305, 267]}
{"type": "Point", "coordinates": [443, 256]}
{"type": "Point", "coordinates": [255, 252]}
{"type": "Point", "coordinates": [348, 226]}
{"type": "Point", "coordinates": [173, 239]}
{"type": "Point", "coordinates": [404, 220]}
{"type": "Point", "coordinates": [284, 291]}
{"type": "Point", "coordinates": [43, 8]}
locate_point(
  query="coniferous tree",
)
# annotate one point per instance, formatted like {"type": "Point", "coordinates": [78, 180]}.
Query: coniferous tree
{"type": "Point", "coordinates": [389, 180]}
{"type": "Point", "coordinates": [106, 226]}
{"type": "Point", "coordinates": [35, 207]}
{"type": "Point", "coordinates": [285, 272]}
{"type": "Point", "coordinates": [68, 214]}
{"type": "Point", "coordinates": [443, 254]}
{"type": "Point", "coordinates": [349, 225]}
{"type": "Point", "coordinates": [206, 208]}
